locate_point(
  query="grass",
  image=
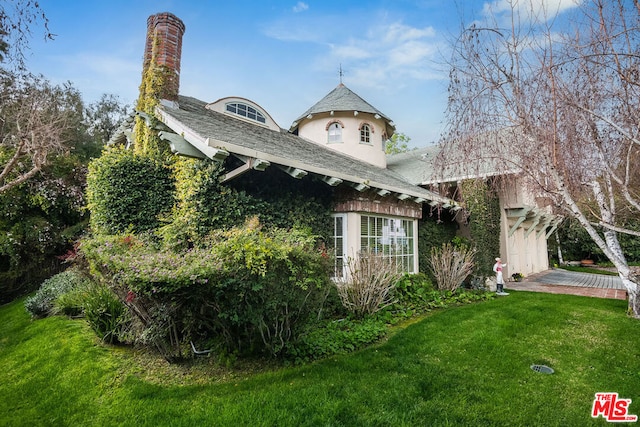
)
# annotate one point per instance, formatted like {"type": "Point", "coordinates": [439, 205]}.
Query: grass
{"type": "Point", "coordinates": [467, 365]}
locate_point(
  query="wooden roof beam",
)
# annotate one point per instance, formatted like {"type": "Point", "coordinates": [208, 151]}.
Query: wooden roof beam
{"type": "Point", "coordinates": [181, 146]}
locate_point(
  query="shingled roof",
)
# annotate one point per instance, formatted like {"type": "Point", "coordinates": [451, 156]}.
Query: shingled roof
{"type": "Point", "coordinates": [208, 130]}
{"type": "Point", "coordinates": [450, 162]}
{"type": "Point", "coordinates": [342, 99]}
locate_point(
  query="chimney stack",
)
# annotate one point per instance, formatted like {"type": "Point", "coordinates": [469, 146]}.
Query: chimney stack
{"type": "Point", "coordinates": [164, 47]}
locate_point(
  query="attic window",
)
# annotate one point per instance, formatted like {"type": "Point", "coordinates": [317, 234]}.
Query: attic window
{"type": "Point", "coordinates": [245, 110]}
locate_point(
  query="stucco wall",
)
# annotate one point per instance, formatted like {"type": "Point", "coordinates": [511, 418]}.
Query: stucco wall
{"type": "Point", "coordinates": [315, 129]}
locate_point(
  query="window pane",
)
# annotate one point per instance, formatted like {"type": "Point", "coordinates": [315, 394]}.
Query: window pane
{"type": "Point", "coordinates": [339, 245]}
{"type": "Point", "coordinates": [335, 133]}
{"type": "Point", "coordinates": [365, 134]}
{"type": "Point", "coordinates": [391, 237]}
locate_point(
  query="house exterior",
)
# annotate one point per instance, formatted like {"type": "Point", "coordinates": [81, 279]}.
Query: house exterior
{"type": "Point", "coordinates": [340, 141]}
{"type": "Point", "coordinates": [526, 221]}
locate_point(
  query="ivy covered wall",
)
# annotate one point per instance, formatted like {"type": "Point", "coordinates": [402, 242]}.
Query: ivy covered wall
{"type": "Point", "coordinates": [482, 207]}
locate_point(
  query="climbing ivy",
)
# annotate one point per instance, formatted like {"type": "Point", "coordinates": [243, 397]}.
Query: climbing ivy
{"type": "Point", "coordinates": [434, 230]}
{"type": "Point", "coordinates": [483, 209]}
{"type": "Point", "coordinates": [204, 203]}
{"type": "Point", "coordinates": [127, 191]}
{"type": "Point", "coordinates": [154, 80]}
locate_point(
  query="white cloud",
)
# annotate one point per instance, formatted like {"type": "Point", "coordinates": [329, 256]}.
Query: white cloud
{"type": "Point", "coordinates": [388, 54]}
{"type": "Point", "coordinates": [381, 53]}
{"type": "Point", "coordinates": [300, 7]}
{"type": "Point", "coordinates": [542, 10]}
{"type": "Point", "coordinates": [398, 32]}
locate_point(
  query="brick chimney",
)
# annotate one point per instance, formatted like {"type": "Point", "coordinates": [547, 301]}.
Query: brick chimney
{"type": "Point", "coordinates": [164, 47]}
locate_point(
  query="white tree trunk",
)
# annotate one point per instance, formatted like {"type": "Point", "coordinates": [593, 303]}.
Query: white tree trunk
{"type": "Point", "coordinates": [610, 246]}
{"type": "Point", "coordinates": [560, 259]}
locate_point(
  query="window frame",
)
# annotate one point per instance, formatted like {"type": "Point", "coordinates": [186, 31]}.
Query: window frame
{"type": "Point", "coordinates": [331, 136]}
{"type": "Point", "coordinates": [339, 240]}
{"type": "Point", "coordinates": [246, 111]}
{"type": "Point", "coordinates": [365, 134]}
{"type": "Point", "coordinates": [394, 237]}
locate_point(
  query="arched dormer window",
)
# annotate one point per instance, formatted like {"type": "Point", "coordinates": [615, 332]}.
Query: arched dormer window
{"type": "Point", "coordinates": [334, 132]}
{"type": "Point", "coordinates": [365, 133]}
{"type": "Point", "coordinates": [245, 110]}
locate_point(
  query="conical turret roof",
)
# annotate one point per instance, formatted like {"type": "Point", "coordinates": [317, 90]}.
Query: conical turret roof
{"type": "Point", "coordinates": [342, 99]}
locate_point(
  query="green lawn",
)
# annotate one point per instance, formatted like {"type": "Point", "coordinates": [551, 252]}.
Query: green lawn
{"type": "Point", "coordinates": [468, 365]}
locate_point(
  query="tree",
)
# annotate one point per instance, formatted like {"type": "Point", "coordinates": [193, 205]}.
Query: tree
{"type": "Point", "coordinates": [398, 143]}
{"type": "Point", "coordinates": [43, 216]}
{"type": "Point", "coordinates": [34, 120]}
{"type": "Point", "coordinates": [17, 18]}
{"type": "Point", "coordinates": [561, 109]}
{"type": "Point", "coordinates": [33, 113]}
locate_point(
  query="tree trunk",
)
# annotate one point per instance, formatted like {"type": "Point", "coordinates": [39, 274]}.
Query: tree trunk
{"type": "Point", "coordinates": [560, 259]}
{"type": "Point", "coordinates": [633, 295]}
{"type": "Point", "coordinates": [611, 248]}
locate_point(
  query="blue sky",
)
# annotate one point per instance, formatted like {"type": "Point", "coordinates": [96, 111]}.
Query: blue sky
{"type": "Point", "coordinates": [283, 55]}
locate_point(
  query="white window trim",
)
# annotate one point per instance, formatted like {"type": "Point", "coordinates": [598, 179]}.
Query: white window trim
{"type": "Point", "coordinates": [345, 256]}
{"type": "Point", "coordinates": [411, 224]}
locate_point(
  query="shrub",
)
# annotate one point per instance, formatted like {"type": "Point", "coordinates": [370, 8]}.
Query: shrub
{"type": "Point", "coordinates": [370, 281]}
{"type": "Point", "coordinates": [483, 209]}
{"type": "Point", "coordinates": [106, 314]}
{"type": "Point", "coordinates": [70, 303]}
{"type": "Point", "coordinates": [253, 289]}
{"type": "Point", "coordinates": [451, 265]}
{"type": "Point", "coordinates": [126, 191]}
{"type": "Point", "coordinates": [413, 291]}
{"type": "Point", "coordinates": [42, 304]}
{"type": "Point", "coordinates": [336, 337]}
{"type": "Point", "coordinates": [272, 284]}
{"type": "Point", "coordinates": [436, 228]}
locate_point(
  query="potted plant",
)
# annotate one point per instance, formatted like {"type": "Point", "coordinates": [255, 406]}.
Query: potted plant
{"type": "Point", "coordinates": [517, 277]}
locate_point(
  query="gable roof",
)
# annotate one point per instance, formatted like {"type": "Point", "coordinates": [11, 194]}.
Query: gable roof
{"type": "Point", "coordinates": [207, 131]}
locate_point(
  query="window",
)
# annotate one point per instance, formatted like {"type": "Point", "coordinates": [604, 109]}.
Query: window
{"type": "Point", "coordinates": [391, 237]}
{"type": "Point", "coordinates": [335, 132]}
{"type": "Point", "coordinates": [365, 134]}
{"type": "Point", "coordinates": [339, 245]}
{"type": "Point", "coordinates": [245, 110]}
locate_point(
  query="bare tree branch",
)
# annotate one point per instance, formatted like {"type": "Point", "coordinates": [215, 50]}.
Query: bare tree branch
{"type": "Point", "coordinates": [560, 105]}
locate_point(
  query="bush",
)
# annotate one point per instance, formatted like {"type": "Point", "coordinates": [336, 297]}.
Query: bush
{"type": "Point", "coordinates": [255, 290]}
{"type": "Point", "coordinates": [336, 337]}
{"type": "Point", "coordinates": [42, 304]}
{"type": "Point", "coordinates": [370, 281]}
{"type": "Point", "coordinates": [451, 265]}
{"type": "Point", "coordinates": [413, 291]}
{"type": "Point", "coordinates": [483, 209]}
{"type": "Point", "coordinates": [435, 229]}
{"type": "Point", "coordinates": [272, 284]}
{"type": "Point", "coordinates": [71, 303]}
{"type": "Point", "coordinates": [106, 314]}
{"type": "Point", "coordinates": [126, 191]}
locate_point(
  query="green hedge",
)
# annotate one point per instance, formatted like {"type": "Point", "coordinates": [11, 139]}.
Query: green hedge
{"type": "Point", "coordinates": [126, 191]}
{"type": "Point", "coordinates": [251, 289]}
